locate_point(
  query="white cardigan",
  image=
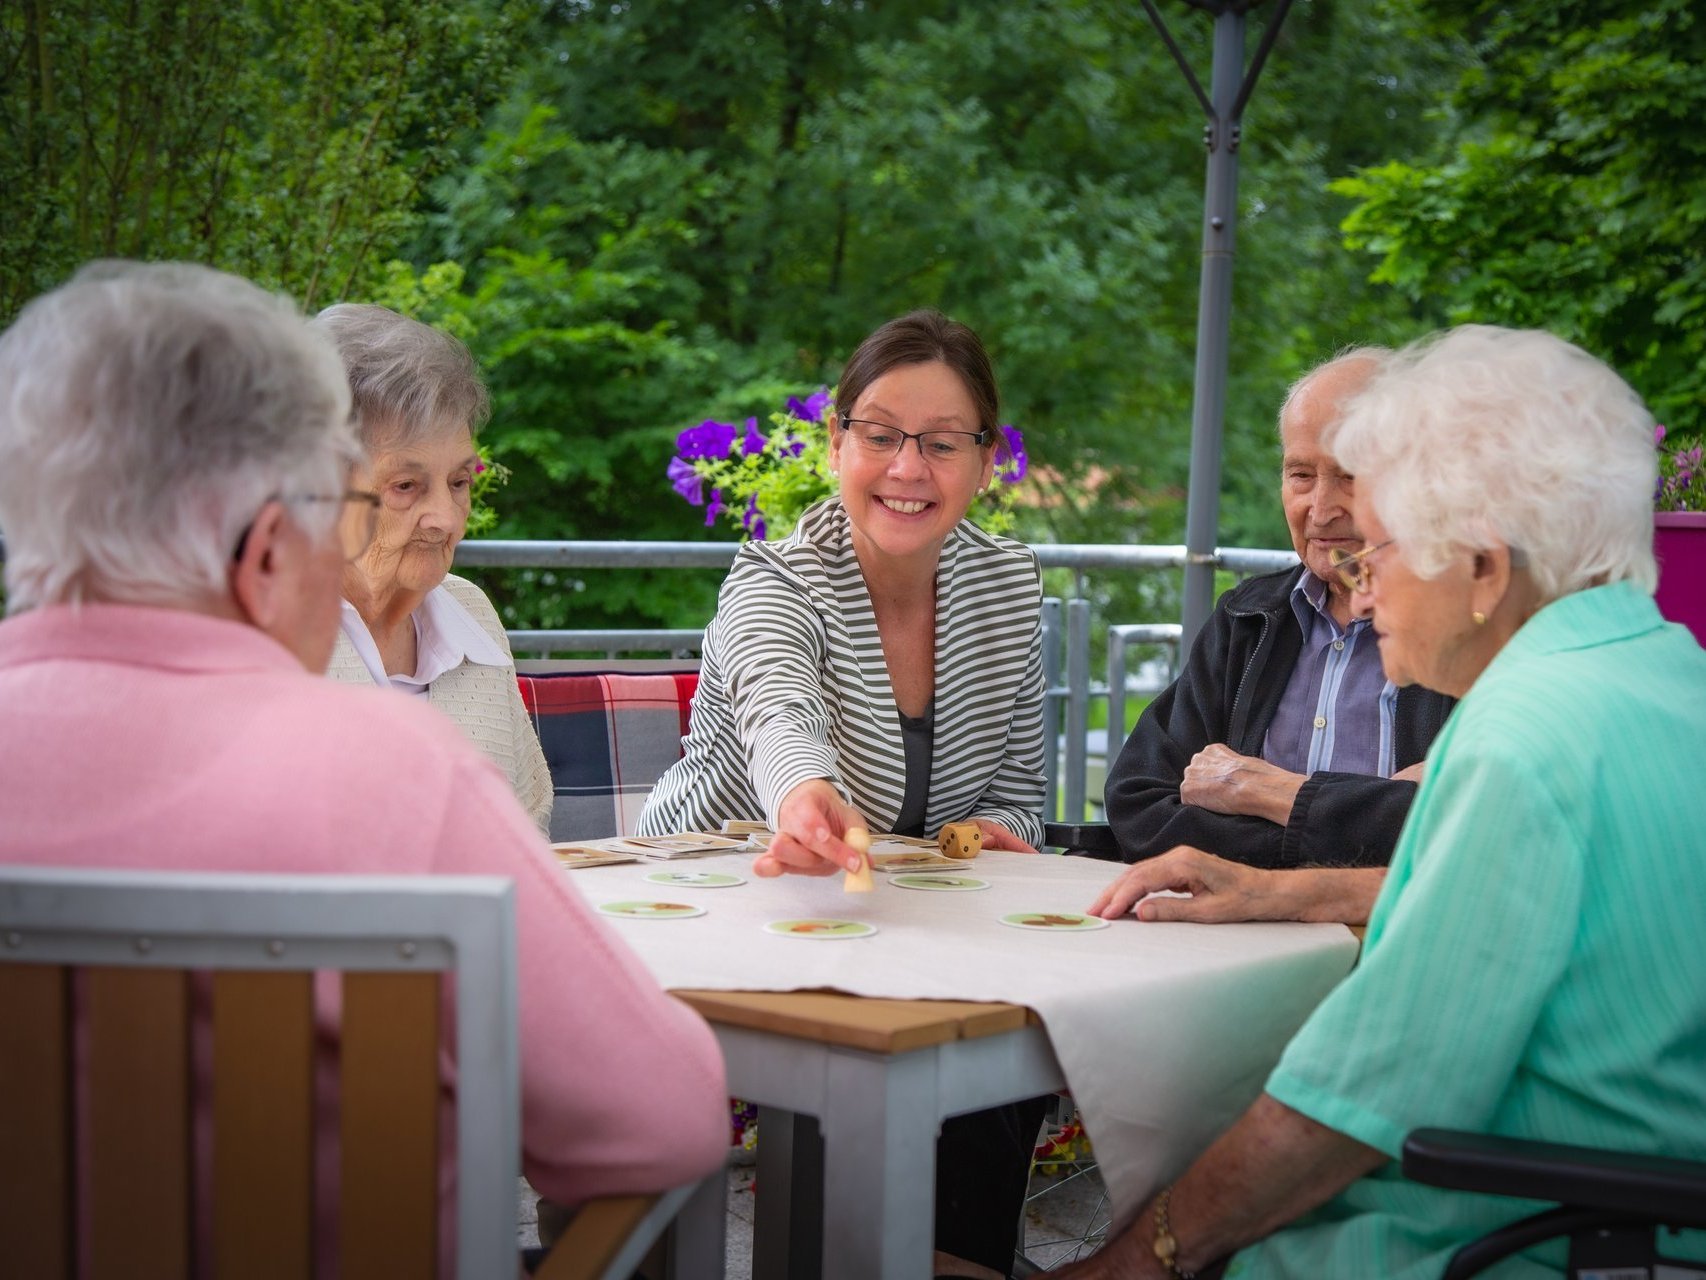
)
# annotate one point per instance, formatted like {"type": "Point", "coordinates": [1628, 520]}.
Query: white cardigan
{"type": "Point", "coordinates": [484, 701]}
{"type": "Point", "coordinates": [794, 685]}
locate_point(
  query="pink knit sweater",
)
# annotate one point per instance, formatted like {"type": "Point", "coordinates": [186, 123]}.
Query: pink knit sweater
{"type": "Point", "coordinates": [167, 740]}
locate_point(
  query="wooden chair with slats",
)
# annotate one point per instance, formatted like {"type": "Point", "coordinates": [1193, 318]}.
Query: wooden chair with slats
{"type": "Point", "coordinates": [118, 990]}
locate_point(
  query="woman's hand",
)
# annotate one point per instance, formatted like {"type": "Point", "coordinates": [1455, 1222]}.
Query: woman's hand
{"type": "Point", "coordinates": [996, 836]}
{"type": "Point", "coordinates": [812, 821]}
{"type": "Point", "coordinates": [1221, 891]}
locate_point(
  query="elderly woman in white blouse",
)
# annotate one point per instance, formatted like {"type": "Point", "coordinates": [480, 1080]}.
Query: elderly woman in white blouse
{"type": "Point", "coordinates": [408, 623]}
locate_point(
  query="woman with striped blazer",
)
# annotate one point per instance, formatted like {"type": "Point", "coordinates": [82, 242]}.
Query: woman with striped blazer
{"type": "Point", "coordinates": [881, 667]}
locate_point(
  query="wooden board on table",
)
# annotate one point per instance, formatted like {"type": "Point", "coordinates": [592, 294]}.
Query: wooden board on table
{"type": "Point", "coordinates": [858, 1022]}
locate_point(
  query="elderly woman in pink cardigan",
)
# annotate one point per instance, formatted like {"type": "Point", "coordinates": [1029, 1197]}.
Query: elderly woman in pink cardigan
{"type": "Point", "coordinates": [178, 511]}
{"type": "Point", "coordinates": [408, 623]}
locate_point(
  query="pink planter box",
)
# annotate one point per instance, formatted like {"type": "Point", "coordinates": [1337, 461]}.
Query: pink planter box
{"type": "Point", "coordinates": [1679, 542]}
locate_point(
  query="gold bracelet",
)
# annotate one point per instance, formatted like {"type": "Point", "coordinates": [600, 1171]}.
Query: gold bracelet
{"type": "Point", "coordinates": [1166, 1244]}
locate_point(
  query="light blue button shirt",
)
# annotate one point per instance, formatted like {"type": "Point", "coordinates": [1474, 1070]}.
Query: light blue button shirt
{"type": "Point", "coordinates": [1338, 708]}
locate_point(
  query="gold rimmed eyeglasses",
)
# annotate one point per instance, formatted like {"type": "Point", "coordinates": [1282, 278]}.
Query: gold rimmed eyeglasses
{"type": "Point", "coordinates": [358, 519]}
{"type": "Point", "coordinates": [1355, 569]}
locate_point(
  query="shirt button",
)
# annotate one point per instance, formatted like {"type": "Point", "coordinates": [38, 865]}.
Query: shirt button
{"type": "Point", "coordinates": [1338, 644]}
{"type": "Point", "coordinates": [1320, 722]}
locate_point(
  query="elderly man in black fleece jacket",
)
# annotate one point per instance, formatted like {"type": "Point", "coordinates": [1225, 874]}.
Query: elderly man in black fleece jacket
{"type": "Point", "coordinates": [1281, 744]}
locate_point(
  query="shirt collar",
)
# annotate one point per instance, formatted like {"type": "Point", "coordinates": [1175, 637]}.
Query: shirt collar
{"type": "Point", "coordinates": [446, 636]}
{"type": "Point", "coordinates": [140, 636]}
{"type": "Point", "coordinates": [1309, 603]}
{"type": "Point", "coordinates": [1585, 619]}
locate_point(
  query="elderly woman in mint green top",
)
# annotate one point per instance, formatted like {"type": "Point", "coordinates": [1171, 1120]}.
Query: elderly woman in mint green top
{"type": "Point", "coordinates": [1528, 966]}
{"type": "Point", "coordinates": [408, 623]}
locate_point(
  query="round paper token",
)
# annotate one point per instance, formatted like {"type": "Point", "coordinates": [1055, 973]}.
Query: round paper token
{"type": "Point", "coordinates": [651, 910]}
{"type": "Point", "coordinates": [821, 929]}
{"type": "Point", "coordinates": [1054, 921]}
{"type": "Point", "coordinates": [696, 879]}
{"type": "Point", "coordinates": [937, 884]}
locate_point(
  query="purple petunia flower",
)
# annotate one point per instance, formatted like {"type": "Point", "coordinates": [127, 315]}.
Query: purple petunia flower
{"type": "Point", "coordinates": [790, 446]}
{"type": "Point", "coordinates": [685, 481]}
{"type": "Point", "coordinates": [710, 439]}
{"type": "Point", "coordinates": [715, 509]}
{"type": "Point", "coordinates": [753, 519]}
{"type": "Point", "coordinates": [811, 408]}
{"type": "Point", "coordinates": [752, 442]}
{"type": "Point", "coordinates": [1011, 460]}
{"type": "Point", "coordinates": [1659, 434]}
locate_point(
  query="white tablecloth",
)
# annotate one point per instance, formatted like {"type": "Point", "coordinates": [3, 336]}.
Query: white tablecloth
{"type": "Point", "coordinates": [1166, 1032]}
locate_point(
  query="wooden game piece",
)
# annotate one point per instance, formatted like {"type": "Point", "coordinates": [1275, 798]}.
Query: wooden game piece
{"type": "Point", "coordinates": [960, 840]}
{"type": "Point", "coordinates": [859, 881]}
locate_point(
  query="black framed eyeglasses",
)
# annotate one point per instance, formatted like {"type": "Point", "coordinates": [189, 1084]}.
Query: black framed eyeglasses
{"type": "Point", "coordinates": [883, 441]}
{"type": "Point", "coordinates": [357, 521]}
{"type": "Point", "coordinates": [1355, 569]}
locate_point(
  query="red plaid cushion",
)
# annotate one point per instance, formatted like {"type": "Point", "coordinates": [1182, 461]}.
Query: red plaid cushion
{"type": "Point", "coordinates": [607, 739]}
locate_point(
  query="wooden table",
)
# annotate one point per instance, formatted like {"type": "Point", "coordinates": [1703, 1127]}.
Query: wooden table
{"type": "Point", "coordinates": [879, 1076]}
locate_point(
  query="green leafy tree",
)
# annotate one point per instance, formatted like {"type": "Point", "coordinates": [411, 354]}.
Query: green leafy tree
{"type": "Point", "coordinates": [1571, 195]}
{"type": "Point", "coordinates": [283, 141]}
{"type": "Point", "coordinates": [738, 198]}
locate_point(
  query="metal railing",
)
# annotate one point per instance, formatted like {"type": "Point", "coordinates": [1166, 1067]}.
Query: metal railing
{"type": "Point", "coordinates": [1066, 630]}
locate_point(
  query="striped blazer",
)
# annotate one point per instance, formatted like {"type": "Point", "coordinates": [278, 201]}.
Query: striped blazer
{"type": "Point", "coordinates": [793, 685]}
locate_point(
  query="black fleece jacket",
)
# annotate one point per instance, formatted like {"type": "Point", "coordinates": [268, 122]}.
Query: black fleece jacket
{"type": "Point", "coordinates": [1228, 693]}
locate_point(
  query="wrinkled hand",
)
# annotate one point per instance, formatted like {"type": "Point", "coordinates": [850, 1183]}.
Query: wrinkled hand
{"type": "Point", "coordinates": [1220, 779]}
{"type": "Point", "coordinates": [1222, 892]}
{"type": "Point", "coordinates": [811, 821]}
{"type": "Point", "coordinates": [996, 836]}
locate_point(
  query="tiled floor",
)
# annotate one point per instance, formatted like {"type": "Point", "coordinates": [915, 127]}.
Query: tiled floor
{"type": "Point", "coordinates": [1064, 1209]}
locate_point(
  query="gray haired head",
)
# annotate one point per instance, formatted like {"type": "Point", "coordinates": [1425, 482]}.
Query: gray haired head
{"type": "Point", "coordinates": [1482, 436]}
{"type": "Point", "coordinates": [409, 381]}
{"type": "Point", "coordinates": [147, 412]}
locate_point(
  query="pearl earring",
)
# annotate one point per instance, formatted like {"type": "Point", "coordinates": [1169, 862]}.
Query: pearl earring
{"type": "Point", "coordinates": [1478, 618]}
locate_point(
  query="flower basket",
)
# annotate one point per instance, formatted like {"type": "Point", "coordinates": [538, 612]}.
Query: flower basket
{"type": "Point", "coordinates": [1679, 543]}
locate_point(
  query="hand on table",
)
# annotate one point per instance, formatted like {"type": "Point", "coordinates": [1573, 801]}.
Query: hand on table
{"type": "Point", "coordinates": [1220, 779]}
{"type": "Point", "coordinates": [1225, 892]}
{"type": "Point", "coordinates": [1222, 892]}
{"type": "Point", "coordinates": [811, 822]}
{"type": "Point", "coordinates": [996, 836]}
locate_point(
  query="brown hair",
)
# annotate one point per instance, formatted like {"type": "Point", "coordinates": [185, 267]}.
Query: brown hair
{"type": "Point", "coordinates": [920, 337]}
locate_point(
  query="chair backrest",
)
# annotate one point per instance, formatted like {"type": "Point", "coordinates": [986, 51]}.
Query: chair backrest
{"type": "Point", "coordinates": [127, 993]}
{"type": "Point", "coordinates": [608, 736]}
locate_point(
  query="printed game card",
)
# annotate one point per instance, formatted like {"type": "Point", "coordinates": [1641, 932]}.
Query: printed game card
{"type": "Point", "coordinates": [937, 883]}
{"type": "Point", "coordinates": [651, 910]}
{"type": "Point", "coordinates": [1054, 921]}
{"type": "Point", "coordinates": [914, 860]}
{"type": "Point", "coordinates": [821, 929]}
{"type": "Point", "coordinates": [696, 879]}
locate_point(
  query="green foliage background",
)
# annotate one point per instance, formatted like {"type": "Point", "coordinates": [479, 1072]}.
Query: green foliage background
{"type": "Point", "coordinates": [645, 213]}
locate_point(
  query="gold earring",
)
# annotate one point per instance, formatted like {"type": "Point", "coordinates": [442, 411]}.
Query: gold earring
{"type": "Point", "coordinates": [1478, 618]}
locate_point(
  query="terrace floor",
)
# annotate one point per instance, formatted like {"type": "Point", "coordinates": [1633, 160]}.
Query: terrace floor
{"type": "Point", "coordinates": [1064, 1209]}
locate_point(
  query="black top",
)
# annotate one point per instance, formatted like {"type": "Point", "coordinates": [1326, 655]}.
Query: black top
{"type": "Point", "coordinates": [1228, 692]}
{"type": "Point", "coordinates": [918, 737]}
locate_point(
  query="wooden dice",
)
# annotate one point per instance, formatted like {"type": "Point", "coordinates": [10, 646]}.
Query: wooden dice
{"type": "Point", "coordinates": [960, 840]}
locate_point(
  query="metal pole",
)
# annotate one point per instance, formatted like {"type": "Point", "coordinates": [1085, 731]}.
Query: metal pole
{"type": "Point", "coordinates": [1214, 312]}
